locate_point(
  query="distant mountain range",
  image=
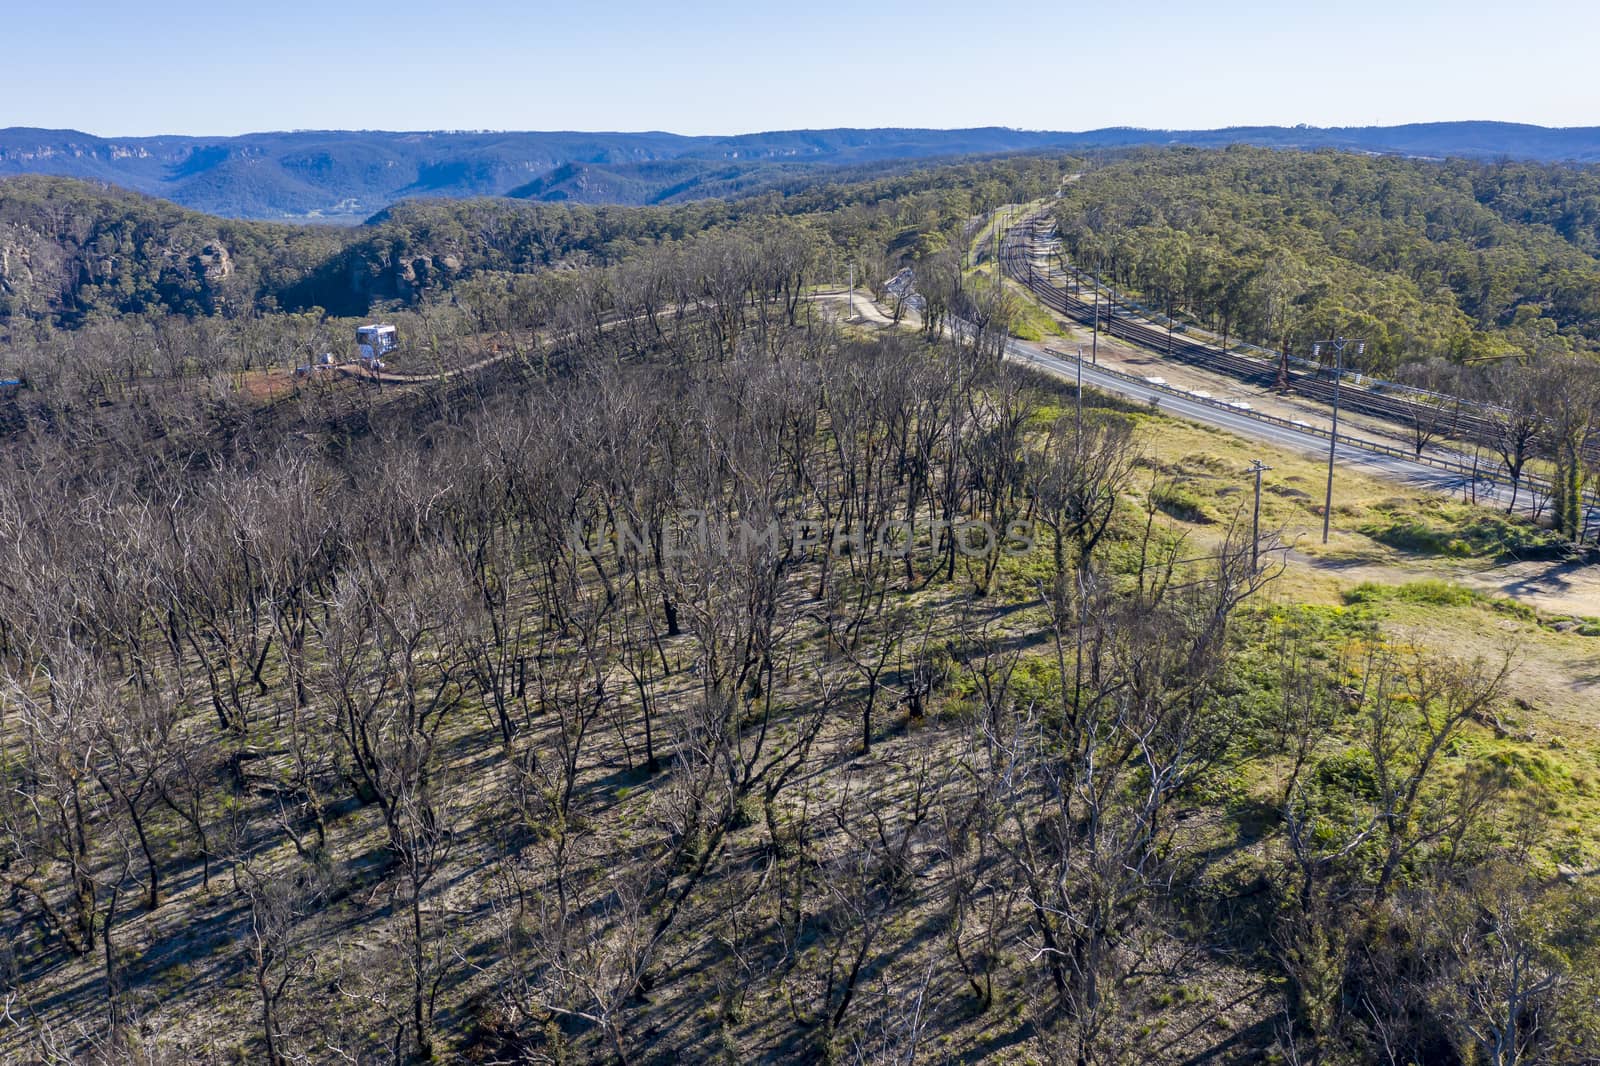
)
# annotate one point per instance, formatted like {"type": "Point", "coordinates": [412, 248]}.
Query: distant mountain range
{"type": "Point", "coordinates": [345, 175]}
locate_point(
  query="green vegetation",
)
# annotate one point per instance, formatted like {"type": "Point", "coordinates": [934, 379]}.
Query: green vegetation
{"type": "Point", "coordinates": [362, 717]}
{"type": "Point", "coordinates": [1423, 260]}
{"type": "Point", "coordinates": [1436, 593]}
{"type": "Point", "coordinates": [81, 251]}
{"type": "Point", "coordinates": [1462, 531]}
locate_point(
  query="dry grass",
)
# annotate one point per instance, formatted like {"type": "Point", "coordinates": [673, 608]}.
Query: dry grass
{"type": "Point", "coordinates": [197, 1000]}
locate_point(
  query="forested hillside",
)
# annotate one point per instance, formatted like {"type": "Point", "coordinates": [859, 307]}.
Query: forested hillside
{"type": "Point", "coordinates": [1457, 260]}
{"type": "Point", "coordinates": [349, 174]}
{"type": "Point", "coordinates": [658, 663]}
{"type": "Point", "coordinates": [70, 251]}
{"type": "Point", "coordinates": [1461, 261]}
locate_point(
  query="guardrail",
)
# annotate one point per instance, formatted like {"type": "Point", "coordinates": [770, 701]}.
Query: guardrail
{"type": "Point", "coordinates": [1266, 355]}
{"type": "Point", "coordinates": [1495, 474]}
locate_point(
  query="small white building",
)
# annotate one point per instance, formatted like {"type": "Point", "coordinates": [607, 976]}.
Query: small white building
{"type": "Point", "coordinates": [375, 342]}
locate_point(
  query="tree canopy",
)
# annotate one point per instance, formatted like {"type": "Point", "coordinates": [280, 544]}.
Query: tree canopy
{"type": "Point", "coordinates": [1458, 260]}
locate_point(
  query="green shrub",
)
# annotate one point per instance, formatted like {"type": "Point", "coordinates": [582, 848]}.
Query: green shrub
{"type": "Point", "coordinates": [1460, 532]}
{"type": "Point", "coordinates": [1348, 773]}
{"type": "Point", "coordinates": [1432, 592]}
{"type": "Point", "coordinates": [1176, 501]}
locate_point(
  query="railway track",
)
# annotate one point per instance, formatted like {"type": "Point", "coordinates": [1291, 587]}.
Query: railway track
{"type": "Point", "coordinates": [1464, 421]}
{"type": "Point", "coordinates": [1459, 422]}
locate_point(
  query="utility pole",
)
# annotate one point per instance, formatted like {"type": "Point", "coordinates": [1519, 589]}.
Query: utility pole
{"type": "Point", "coordinates": [1255, 519]}
{"type": "Point", "coordinates": [1094, 337]}
{"type": "Point", "coordinates": [1080, 394]}
{"type": "Point", "coordinates": [852, 297]}
{"type": "Point", "coordinates": [1337, 344]}
{"type": "Point", "coordinates": [999, 221]}
{"type": "Point", "coordinates": [1111, 307]}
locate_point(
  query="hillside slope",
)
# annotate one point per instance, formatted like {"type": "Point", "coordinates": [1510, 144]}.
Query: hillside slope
{"type": "Point", "coordinates": [71, 251]}
{"type": "Point", "coordinates": [351, 174]}
{"type": "Point", "coordinates": [1459, 261]}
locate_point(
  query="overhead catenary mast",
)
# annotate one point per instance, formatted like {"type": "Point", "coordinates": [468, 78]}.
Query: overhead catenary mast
{"type": "Point", "coordinates": [1338, 346]}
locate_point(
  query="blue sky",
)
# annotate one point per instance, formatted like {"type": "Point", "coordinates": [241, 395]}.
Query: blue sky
{"type": "Point", "coordinates": [718, 67]}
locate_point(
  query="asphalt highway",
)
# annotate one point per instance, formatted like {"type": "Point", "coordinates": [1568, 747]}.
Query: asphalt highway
{"type": "Point", "coordinates": [1349, 454]}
